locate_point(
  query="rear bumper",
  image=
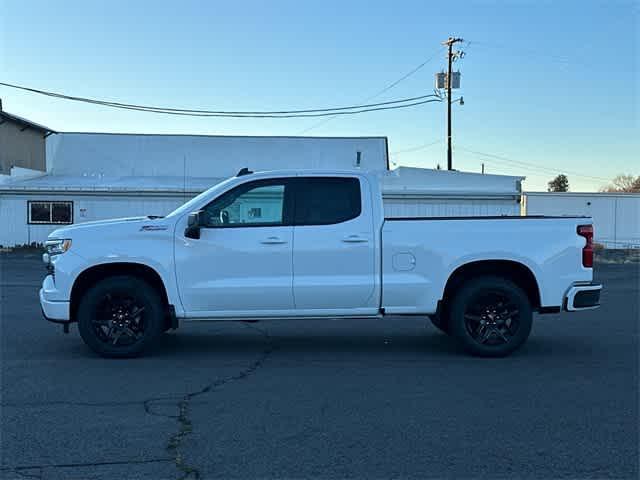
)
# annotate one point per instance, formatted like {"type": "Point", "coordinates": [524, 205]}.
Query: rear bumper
{"type": "Point", "coordinates": [582, 297]}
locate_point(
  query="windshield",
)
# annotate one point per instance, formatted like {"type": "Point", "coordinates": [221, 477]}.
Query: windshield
{"type": "Point", "coordinates": [191, 204]}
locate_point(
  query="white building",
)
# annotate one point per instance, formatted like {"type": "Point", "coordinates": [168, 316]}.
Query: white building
{"type": "Point", "coordinates": [616, 216]}
{"type": "Point", "coordinates": [93, 176]}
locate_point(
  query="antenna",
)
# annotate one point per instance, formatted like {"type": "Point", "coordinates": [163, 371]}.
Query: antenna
{"type": "Point", "coordinates": [244, 171]}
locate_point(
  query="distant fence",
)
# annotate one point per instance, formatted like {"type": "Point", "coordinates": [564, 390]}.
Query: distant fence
{"type": "Point", "coordinates": [625, 245]}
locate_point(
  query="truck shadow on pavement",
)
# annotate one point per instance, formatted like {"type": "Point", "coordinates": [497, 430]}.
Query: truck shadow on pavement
{"type": "Point", "coordinates": [196, 341]}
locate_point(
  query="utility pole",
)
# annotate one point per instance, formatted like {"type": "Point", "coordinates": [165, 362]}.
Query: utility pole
{"type": "Point", "coordinates": [450, 56]}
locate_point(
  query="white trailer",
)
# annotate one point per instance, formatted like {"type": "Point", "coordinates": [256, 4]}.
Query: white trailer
{"type": "Point", "coordinates": [616, 216]}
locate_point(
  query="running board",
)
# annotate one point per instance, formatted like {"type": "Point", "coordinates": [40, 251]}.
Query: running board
{"type": "Point", "coordinates": [292, 317]}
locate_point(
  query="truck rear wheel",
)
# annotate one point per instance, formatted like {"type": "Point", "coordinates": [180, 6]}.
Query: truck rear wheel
{"type": "Point", "coordinates": [491, 316]}
{"type": "Point", "coordinates": [120, 316]}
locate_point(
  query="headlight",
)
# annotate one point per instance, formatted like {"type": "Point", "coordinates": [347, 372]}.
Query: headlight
{"type": "Point", "coordinates": [56, 247]}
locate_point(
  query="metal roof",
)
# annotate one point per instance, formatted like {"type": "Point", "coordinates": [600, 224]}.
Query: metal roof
{"type": "Point", "coordinates": [426, 181]}
{"type": "Point", "coordinates": [24, 122]}
{"type": "Point", "coordinates": [97, 183]}
{"type": "Point", "coordinates": [583, 194]}
{"type": "Point", "coordinates": [400, 182]}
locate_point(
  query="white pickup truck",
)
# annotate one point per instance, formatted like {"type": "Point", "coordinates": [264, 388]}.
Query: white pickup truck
{"type": "Point", "coordinates": [313, 244]}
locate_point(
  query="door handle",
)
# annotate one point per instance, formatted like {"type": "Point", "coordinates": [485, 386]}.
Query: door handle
{"type": "Point", "coordinates": [273, 241]}
{"type": "Point", "coordinates": [354, 239]}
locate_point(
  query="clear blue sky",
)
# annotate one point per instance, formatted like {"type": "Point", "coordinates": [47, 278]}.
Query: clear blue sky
{"type": "Point", "coordinates": [551, 83]}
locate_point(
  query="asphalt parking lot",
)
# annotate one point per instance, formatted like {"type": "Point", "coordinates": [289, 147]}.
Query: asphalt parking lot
{"type": "Point", "coordinates": [321, 399]}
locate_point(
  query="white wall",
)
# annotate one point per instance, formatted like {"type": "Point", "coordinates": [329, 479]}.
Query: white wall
{"type": "Point", "coordinates": [14, 229]}
{"type": "Point", "coordinates": [616, 217]}
{"type": "Point", "coordinates": [115, 155]}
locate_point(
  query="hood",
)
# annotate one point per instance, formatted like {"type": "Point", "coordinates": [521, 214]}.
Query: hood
{"type": "Point", "coordinates": [68, 231]}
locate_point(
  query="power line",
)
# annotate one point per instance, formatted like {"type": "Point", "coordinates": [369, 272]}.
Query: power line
{"type": "Point", "coordinates": [384, 90]}
{"type": "Point", "coordinates": [528, 52]}
{"type": "Point", "coordinates": [416, 148]}
{"type": "Point", "coordinates": [539, 171]}
{"type": "Point", "coordinates": [296, 115]}
{"type": "Point", "coordinates": [404, 77]}
{"type": "Point", "coordinates": [531, 166]}
{"type": "Point", "coordinates": [184, 110]}
{"type": "Point", "coordinates": [529, 171]}
{"type": "Point", "coordinates": [321, 112]}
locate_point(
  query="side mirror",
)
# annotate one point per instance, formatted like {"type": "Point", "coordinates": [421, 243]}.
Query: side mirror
{"type": "Point", "coordinates": [194, 222]}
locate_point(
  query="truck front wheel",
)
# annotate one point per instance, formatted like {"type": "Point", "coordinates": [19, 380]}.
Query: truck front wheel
{"type": "Point", "coordinates": [120, 316]}
{"type": "Point", "coordinates": [491, 316]}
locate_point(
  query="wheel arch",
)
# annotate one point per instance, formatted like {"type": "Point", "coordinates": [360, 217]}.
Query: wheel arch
{"type": "Point", "coordinates": [517, 272]}
{"type": "Point", "coordinates": [88, 277]}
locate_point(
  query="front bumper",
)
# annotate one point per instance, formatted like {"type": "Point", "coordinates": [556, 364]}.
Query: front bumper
{"type": "Point", "coordinates": [582, 297]}
{"type": "Point", "coordinates": [53, 310]}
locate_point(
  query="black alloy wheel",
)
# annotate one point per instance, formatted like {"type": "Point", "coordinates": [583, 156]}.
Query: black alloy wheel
{"type": "Point", "coordinates": [490, 316]}
{"type": "Point", "coordinates": [121, 316]}
{"type": "Point", "coordinates": [119, 319]}
{"type": "Point", "coordinates": [491, 319]}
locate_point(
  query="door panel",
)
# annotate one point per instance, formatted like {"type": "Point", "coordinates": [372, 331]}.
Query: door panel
{"type": "Point", "coordinates": [242, 261]}
{"type": "Point", "coordinates": [236, 269]}
{"type": "Point", "coordinates": [334, 247]}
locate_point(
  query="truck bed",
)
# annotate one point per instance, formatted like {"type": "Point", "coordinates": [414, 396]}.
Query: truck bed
{"type": "Point", "coordinates": [419, 254]}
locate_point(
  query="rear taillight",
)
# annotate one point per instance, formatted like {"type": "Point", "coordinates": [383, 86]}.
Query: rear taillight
{"type": "Point", "coordinates": [586, 231]}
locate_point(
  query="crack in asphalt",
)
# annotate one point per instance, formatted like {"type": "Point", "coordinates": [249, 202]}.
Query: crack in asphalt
{"type": "Point", "coordinates": [28, 475]}
{"type": "Point", "coordinates": [20, 470]}
{"type": "Point", "coordinates": [176, 440]}
{"type": "Point", "coordinates": [68, 403]}
{"type": "Point", "coordinates": [185, 425]}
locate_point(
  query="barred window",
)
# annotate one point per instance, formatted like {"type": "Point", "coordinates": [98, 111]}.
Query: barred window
{"type": "Point", "coordinates": [45, 212]}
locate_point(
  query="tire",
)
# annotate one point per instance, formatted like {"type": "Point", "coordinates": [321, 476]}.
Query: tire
{"type": "Point", "coordinates": [120, 317]}
{"type": "Point", "coordinates": [440, 323]}
{"type": "Point", "coordinates": [490, 316]}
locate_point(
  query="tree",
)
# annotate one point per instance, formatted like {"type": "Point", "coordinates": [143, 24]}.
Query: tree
{"type": "Point", "coordinates": [624, 183]}
{"type": "Point", "coordinates": [559, 184]}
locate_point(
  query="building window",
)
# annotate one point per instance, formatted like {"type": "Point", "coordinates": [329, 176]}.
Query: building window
{"type": "Point", "coordinates": [255, 212]}
{"type": "Point", "coordinates": [60, 213]}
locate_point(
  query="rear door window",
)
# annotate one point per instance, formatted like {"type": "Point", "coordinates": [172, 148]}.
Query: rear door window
{"type": "Point", "coordinates": [326, 200]}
